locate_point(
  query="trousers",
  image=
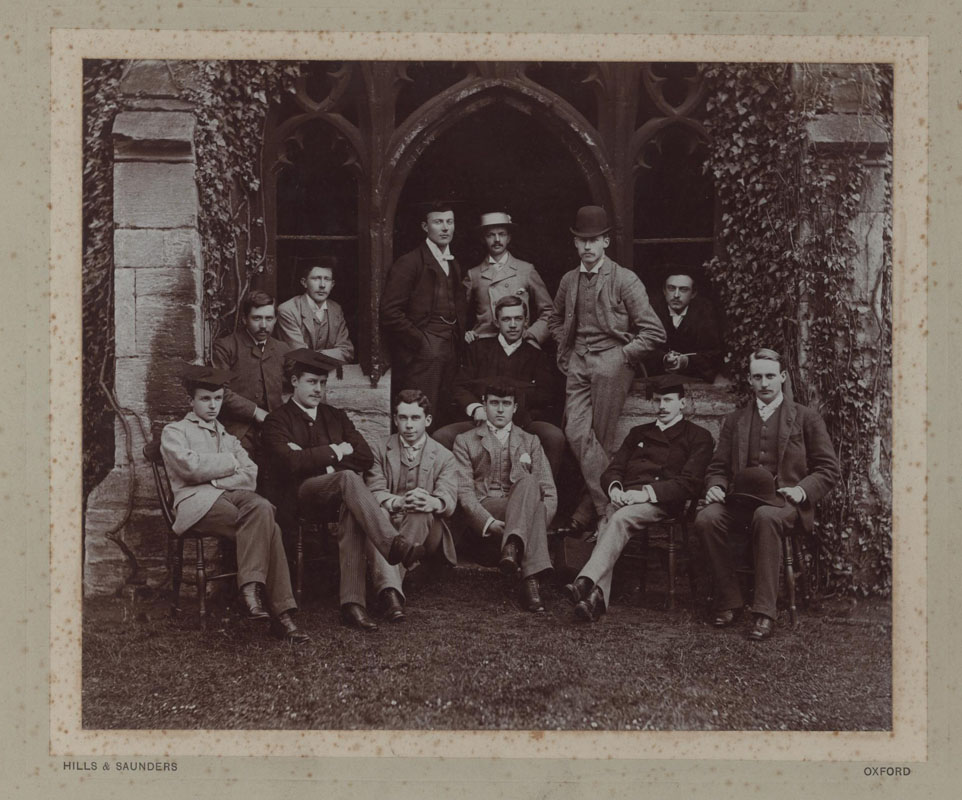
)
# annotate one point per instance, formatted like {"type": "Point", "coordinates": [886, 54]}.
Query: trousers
{"type": "Point", "coordinates": [595, 393]}
{"type": "Point", "coordinates": [523, 514]}
{"type": "Point", "coordinates": [420, 528]}
{"type": "Point", "coordinates": [247, 519]}
{"type": "Point", "coordinates": [768, 525]}
{"type": "Point", "coordinates": [623, 523]}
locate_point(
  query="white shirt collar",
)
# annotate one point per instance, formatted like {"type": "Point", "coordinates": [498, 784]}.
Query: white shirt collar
{"type": "Point", "coordinates": [311, 412]}
{"type": "Point", "coordinates": [596, 267]}
{"type": "Point", "coordinates": [677, 318]}
{"type": "Point", "coordinates": [442, 256]}
{"type": "Point", "coordinates": [314, 306]}
{"type": "Point", "coordinates": [665, 425]}
{"type": "Point", "coordinates": [509, 349]}
{"type": "Point", "coordinates": [417, 445]}
{"type": "Point", "coordinates": [765, 411]}
{"type": "Point", "coordinates": [499, 262]}
{"type": "Point", "coordinates": [501, 435]}
{"type": "Point", "coordinates": [210, 426]}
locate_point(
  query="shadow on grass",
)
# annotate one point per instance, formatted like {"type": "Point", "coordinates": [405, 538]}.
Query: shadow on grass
{"type": "Point", "coordinates": [468, 658]}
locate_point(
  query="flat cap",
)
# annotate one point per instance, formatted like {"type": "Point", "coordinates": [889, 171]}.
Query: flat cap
{"type": "Point", "coordinates": [315, 362]}
{"type": "Point", "coordinates": [204, 375]}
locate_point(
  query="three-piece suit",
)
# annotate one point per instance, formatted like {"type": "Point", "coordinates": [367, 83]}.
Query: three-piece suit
{"type": "Point", "coordinates": [604, 327]}
{"type": "Point", "coordinates": [391, 475]}
{"type": "Point", "coordinates": [512, 483]}
{"type": "Point", "coordinates": [794, 446]}
{"type": "Point", "coordinates": [213, 481]}
{"type": "Point", "coordinates": [298, 327]}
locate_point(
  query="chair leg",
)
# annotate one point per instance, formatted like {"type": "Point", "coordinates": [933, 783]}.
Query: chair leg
{"type": "Point", "coordinates": [672, 563]}
{"type": "Point", "coordinates": [790, 579]}
{"type": "Point", "coordinates": [299, 551]}
{"type": "Point", "coordinates": [176, 572]}
{"type": "Point", "coordinates": [201, 580]}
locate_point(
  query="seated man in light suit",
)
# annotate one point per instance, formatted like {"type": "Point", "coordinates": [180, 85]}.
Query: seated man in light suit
{"type": "Point", "coordinates": [416, 482]}
{"type": "Point", "coordinates": [502, 275]}
{"type": "Point", "coordinates": [506, 491]}
{"type": "Point", "coordinates": [790, 442]}
{"type": "Point", "coordinates": [658, 467]}
{"type": "Point", "coordinates": [314, 456]}
{"type": "Point", "coordinates": [213, 481]}
{"type": "Point", "coordinates": [311, 319]}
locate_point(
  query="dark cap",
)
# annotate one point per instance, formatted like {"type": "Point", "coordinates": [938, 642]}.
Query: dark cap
{"type": "Point", "coordinates": [204, 376]}
{"type": "Point", "coordinates": [313, 361]}
{"type": "Point", "coordinates": [756, 485]}
{"type": "Point", "coordinates": [666, 384]}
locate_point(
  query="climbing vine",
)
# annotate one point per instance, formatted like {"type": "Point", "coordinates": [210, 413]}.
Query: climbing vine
{"type": "Point", "coordinates": [785, 272]}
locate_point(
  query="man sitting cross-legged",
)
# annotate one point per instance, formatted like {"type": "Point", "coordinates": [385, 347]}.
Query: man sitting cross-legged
{"type": "Point", "coordinates": [213, 481]}
{"type": "Point", "coordinates": [658, 467]}
{"type": "Point", "coordinates": [314, 457]}
{"type": "Point", "coordinates": [507, 492]}
{"type": "Point", "coordinates": [416, 481]}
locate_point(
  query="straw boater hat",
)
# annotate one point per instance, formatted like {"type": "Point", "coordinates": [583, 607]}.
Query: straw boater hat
{"type": "Point", "coordinates": [590, 221]}
{"type": "Point", "coordinates": [496, 219]}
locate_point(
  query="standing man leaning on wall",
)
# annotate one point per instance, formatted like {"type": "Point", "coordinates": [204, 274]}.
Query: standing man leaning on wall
{"type": "Point", "coordinates": [604, 327]}
{"type": "Point", "coordinates": [423, 311]}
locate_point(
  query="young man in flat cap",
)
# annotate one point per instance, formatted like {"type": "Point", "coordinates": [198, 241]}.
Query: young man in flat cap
{"type": "Point", "coordinates": [693, 346]}
{"type": "Point", "coordinates": [423, 310]}
{"type": "Point", "coordinates": [507, 493]}
{"type": "Point", "coordinates": [312, 319]}
{"type": "Point", "coordinates": [213, 481]}
{"type": "Point", "coordinates": [315, 456]}
{"type": "Point", "coordinates": [790, 442]}
{"type": "Point", "coordinates": [658, 468]}
{"type": "Point", "coordinates": [508, 358]}
{"type": "Point", "coordinates": [604, 327]}
{"type": "Point", "coordinates": [255, 360]}
{"type": "Point", "coordinates": [502, 275]}
{"type": "Point", "coordinates": [415, 480]}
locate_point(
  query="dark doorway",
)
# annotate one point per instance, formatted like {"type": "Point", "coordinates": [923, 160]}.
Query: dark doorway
{"type": "Point", "coordinates": [499, 158]}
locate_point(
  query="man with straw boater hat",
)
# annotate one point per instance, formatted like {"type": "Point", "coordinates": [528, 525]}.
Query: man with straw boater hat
{"type": "Point", "coordinates": [503, 275]}
{"type": "Point", "coordinates": [604, 327]}
{"type": "Point", "coordinates": [771, 451]}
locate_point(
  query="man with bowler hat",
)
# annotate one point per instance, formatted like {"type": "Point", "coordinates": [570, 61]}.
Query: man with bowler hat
{"type": "Point", "coordinates": [604, 327]}
{"type": "Point", "coordinates": [503, 275]}
{"type": "Point", "coordinates": [658, 468]}
{"type": "Point", "coordinates": [423, 310]}
{"type": "Point", "coordinates": [771, 451]}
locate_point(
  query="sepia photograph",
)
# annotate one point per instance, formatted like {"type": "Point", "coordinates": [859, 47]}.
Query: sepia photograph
{"type": "Point", "coordinates": [487, 395]}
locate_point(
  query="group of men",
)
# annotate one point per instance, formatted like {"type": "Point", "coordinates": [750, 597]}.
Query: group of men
{"type": "Point", "coordinates": [470, 367]}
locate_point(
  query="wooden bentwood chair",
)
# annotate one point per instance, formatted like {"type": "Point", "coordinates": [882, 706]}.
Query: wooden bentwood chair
{"type": "Point", "coordinates": [175, 542]}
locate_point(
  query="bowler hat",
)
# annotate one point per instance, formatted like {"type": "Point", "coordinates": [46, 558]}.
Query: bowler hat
{"type": "Point", "coordinates": [496, 219]}
{"type": "Point", "coordinates": [204, 376]}
{"type": "Point", "coordinates": [590, 221]}
{"type": "Point", "coordinates": [318, 363]}
{"type": "Point", "coordinates": [757, 484]}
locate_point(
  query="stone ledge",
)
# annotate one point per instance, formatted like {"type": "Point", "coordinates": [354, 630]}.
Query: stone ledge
{"type": "Point", "coordinates": [154, 135]}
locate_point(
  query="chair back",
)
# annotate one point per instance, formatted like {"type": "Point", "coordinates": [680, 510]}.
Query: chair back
{"type": "Point", "coordinates": [165, 494]}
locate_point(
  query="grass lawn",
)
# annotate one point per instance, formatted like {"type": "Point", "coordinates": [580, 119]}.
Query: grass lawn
{"type": "Point", "coordinates": [468, 658]}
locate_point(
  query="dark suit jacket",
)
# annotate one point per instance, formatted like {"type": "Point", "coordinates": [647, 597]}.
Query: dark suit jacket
{"type": "Point", "coordinates": [698, 334]}
{"type": "Point", "coordinates": [528, 369]}
{"type": "Point", "coordinates": [285, 469]}
{"type": "Point", "coordinates": [805, 455]}
{"type": "Point", "coordinates": [251, 372]}
{"type": "Point", "coordinates": [407, 303]}
{"type": "Point", "coordinates": [672, 462]}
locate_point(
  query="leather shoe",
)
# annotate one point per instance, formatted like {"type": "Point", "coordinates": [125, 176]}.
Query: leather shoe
{"type": "Point", "coordinates": [510, 561]}
{"type": "Point", "coordinates": [253, 604]}
{"type": "Point", "coordinates": [404, 551]}
{"type": "Point", "coordinates": [530, 596]}
{"type": "Point", "coordinates": [764, 628]}
{"type": "Point", "coordinates": [592, 607]}
{"type": "Point", "coordinates": [578, 590]}
{"type": "Point", "coordinates": [393, 605]}
{"type": "Point", "coordinates": [355, 616]}
{"type": "Point", "coordinates": [573, 529]}
{"type": "Point", "coordinates": [283, 627]}
{"type": "Point", "coordinates": [724, 619]}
